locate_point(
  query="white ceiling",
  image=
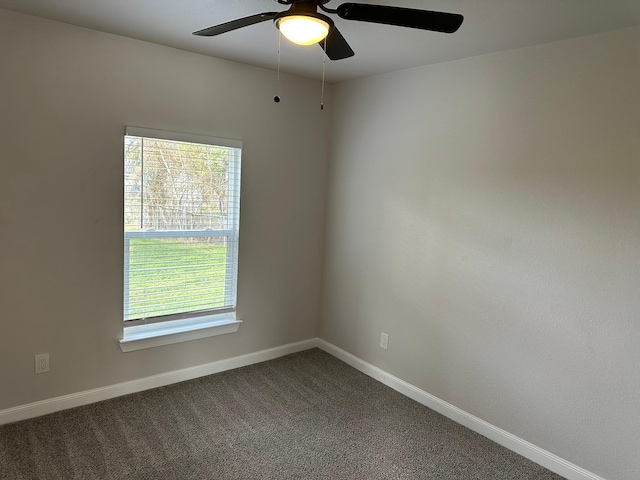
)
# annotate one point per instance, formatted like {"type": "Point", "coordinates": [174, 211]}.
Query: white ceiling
{"type": "Point", "coordinates": [489, 26]}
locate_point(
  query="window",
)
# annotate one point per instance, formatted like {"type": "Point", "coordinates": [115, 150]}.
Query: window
{"type": "Point", "coordinates": [181, 219]}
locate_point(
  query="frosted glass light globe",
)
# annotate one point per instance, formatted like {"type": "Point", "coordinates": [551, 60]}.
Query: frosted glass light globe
{"type": "Point", "coordinates": [303, 30]}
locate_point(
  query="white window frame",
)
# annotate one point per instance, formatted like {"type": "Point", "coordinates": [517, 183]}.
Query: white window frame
{"type": "Point", "coordinates": [189, 326]}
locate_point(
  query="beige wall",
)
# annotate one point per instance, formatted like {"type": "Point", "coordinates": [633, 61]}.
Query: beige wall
{"type": "Point", "coordinates": [66, 94]}
{"type": "Point", "coordinates": [485, 214]}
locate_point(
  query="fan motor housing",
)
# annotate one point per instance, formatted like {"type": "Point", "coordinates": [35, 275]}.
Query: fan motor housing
{"type": "Point", "coordinates": [291, 2]}
{"type": "Point", "coordinates": [307, 9]}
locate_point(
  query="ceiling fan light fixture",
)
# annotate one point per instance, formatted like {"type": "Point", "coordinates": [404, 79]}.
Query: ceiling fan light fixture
{"type": "Point", "coordinates": [303, 29]}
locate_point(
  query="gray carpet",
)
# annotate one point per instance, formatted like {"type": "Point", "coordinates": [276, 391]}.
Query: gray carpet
{"type": "Point", "coordinates": [304, 416]}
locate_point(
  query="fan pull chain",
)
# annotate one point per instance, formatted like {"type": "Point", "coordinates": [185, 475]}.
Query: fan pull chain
{"type": "Point", "coordinates": [324, 63]}
{"type": "Point", "coordinates": [277, 97]}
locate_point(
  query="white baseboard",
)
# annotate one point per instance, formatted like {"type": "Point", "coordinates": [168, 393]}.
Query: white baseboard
{"type": "Point", "coordinates": [522, 447]}
{"type": "Point", "coordinates": [64, 402]}
{"type": "Point", "coordinates": [507, 440]}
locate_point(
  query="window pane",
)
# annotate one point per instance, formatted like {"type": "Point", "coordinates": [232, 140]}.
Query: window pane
{"type": "Point", "coordinates": [176, 275]}
{"type": "Point", "coordinates": [173, 185]}
{"type": "Point", "coordinates": [181, 210]}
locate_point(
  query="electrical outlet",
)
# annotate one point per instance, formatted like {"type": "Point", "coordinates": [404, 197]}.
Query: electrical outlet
{"type": "Point", "coordinates": [42, 363]}
{"type": "Point", "coordinates": [384, 340]}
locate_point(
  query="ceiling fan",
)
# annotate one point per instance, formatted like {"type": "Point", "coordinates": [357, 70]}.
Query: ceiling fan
{"type": "Point", "coordinates": [304, 25]}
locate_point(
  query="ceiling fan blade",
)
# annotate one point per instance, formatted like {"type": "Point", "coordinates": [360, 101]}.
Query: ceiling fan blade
{"type": "Point", "coordinates": [235, 24]}
{"type": "Point", "coordinates": [335, 46]}
{"type": "Point", "coordinates": [403, 17]}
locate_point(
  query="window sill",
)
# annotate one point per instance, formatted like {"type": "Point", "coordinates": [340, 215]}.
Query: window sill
{"type": "Point", "coordinates": [165, 333]}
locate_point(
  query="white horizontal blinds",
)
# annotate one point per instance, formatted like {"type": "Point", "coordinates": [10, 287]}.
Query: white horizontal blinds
{"type": "Point", "coordinates": [181, 217]}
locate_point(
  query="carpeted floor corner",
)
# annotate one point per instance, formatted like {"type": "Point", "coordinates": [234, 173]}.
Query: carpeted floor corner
{"type": "Point", "coordinates": [303, 416]}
